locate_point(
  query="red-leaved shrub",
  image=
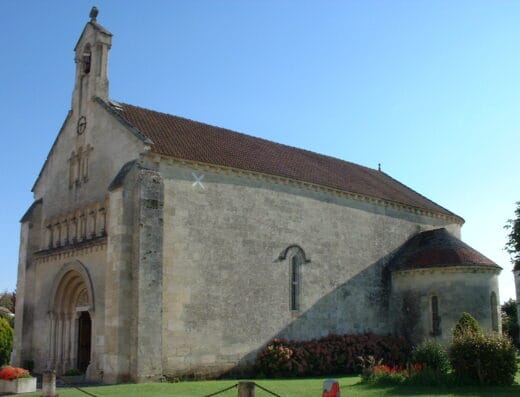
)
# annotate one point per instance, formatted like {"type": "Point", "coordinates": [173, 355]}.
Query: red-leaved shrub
{"type": "Point", "coordinates": [333, 354]}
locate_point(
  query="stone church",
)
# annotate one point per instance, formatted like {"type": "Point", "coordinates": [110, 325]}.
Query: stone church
{"type": "Point", "coordinates": [158, 245]}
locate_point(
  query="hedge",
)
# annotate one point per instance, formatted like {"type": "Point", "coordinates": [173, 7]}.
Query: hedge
{"type": "Point", "coordinates": [331, 355]}
{"type": "Point", "coordinates": [483, 359]}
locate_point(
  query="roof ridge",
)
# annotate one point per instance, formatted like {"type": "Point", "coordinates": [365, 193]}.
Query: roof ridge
{"type": "Point", "coordinates": [250, 136]}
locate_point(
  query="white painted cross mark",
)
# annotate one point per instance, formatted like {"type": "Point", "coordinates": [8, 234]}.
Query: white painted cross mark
{"type": "Point", "coordinates": [198, 180]}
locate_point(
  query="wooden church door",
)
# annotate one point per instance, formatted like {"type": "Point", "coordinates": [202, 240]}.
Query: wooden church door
{"type": "Point", "coordinates": [84, 336]}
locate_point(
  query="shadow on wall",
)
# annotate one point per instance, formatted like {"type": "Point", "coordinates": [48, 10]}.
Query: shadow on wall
{"type": "Point", "coordinates": [360, 305]}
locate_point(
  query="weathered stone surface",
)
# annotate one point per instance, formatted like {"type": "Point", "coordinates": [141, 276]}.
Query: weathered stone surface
{"type": "Point", "coordinates": [457, 290]}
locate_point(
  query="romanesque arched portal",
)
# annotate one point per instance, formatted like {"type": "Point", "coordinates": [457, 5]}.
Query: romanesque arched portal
{"type": "Point", "coordinates": [71, 319]}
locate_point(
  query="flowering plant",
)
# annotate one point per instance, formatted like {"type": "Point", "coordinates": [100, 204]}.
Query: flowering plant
{"type": "Point", "coordinates": [398, 370]}
{"type": "Point", "coordinates": [329, 355]}
{"type": "Point", "coordinates": [10, 373]}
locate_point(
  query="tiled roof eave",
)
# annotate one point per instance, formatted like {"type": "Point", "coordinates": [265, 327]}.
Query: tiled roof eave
{"type": "Point", "coordinates": [470, 268]}
{"type": "Point", "coordinates": [308, 185]}
{"type": "Point", "coordinates": [181, 138]}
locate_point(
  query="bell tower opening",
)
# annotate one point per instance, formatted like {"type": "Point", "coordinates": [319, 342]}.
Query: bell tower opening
{"type": "Point", "coordinates": [86, 59]}
{"type": "Point", "coordinates": [91, 57]}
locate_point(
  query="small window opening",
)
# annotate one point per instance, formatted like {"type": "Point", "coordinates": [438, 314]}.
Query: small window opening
{"type": "Point", "coordinates": [494, 311]}
{"type": "Point", "coordinates": [294, 283]}
{"type": "Point", "coordinates": [436, 319]}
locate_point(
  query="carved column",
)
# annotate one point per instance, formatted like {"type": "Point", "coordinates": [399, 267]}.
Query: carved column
{"type": "Point", "coordinates": [59, 341]}
{"type": "Point", "coordinates": [92, 229]}
{"type": "Point", "coordinates": [51, 363]}
{"type": "Point", "coordinates": [91, 371]}
{"type": "Point", "coordinates": [101, 222]}
{"type": "Point", "coordinates": [74, 339]}
{"type": "Point", "coordinates": [75, 228]}
{"type": "Point", "coordinates": [57, 236]}
{"type": "Point", "coordinates": [81, 228]}
{"type": "Point", "coordinates": [69, 347]}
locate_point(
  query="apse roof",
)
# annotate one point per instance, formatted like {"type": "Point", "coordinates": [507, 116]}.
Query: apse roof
{"type": "Point", "coordinates": [437, 248]}
{"type": "Point", "coordinates": [186, 139]}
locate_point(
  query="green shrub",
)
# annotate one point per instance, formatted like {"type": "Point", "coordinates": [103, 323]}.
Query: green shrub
{"type": "Point", "coordinates": [483, 359]}
{"type": "Point", "coordinates": [430, 377]}
{"type": "Point", "coordinates": [389, 379]}
{"type": "Point", "coordinates": [433, 355]}
{"type": "Point", "coordinates": [72, 372]}
{"type": "Point", "coordinates": [8, 318]}
{"type": "Point", "coordinates": [6, 341]}
{"type": "Point", "coordinates": [368, 365]}
{"type": "Point", "coordinates": [466, 324]}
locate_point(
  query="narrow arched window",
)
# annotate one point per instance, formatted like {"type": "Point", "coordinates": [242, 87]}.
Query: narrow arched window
{"type": "Point", "coordinates": [436, 319]}
{"type": "Point", "coordinates": [295, 282]}
{"type": "Point", "coordinates": [294, 257]}
{"type": "Point", "coordinates": [494, 311]}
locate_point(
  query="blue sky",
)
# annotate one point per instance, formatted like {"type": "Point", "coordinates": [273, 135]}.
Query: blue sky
{"type": "Point", "coordinates": [429, 89]}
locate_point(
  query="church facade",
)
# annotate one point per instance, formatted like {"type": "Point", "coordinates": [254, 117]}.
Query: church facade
{"type": "Point", "coordinates": [157, 245]}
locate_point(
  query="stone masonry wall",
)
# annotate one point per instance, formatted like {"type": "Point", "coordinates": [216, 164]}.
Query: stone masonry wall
{"type": "Point", "coordinates": [457, 290]}
{"type": "Point", "coordinates": [226, 293]}
{"type": "Point", "coordinates": [148, 276]}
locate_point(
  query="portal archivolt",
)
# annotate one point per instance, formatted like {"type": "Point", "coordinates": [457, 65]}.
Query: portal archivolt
{"type": "Point", "coordinates": [71, 314]}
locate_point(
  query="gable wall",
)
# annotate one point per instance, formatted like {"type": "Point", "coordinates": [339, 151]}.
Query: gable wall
{"type": "Point", "coordinates": [224, 291]}
{"type": "Point", "coordinates": [112, 146]}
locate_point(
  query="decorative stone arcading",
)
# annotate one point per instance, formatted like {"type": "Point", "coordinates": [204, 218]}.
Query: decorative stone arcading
{"type": "Point", "coordinates": [79, 165]}
{"type": "Point", "coordinates": [78, 226]}
{"type": "Point", "coordinates": [71, 251]}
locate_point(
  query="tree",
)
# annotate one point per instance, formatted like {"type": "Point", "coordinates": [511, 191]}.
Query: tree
{"type": "Point", "coordinates": [510, 321]}
{"type": "Point", "coordinates": [513, 238]}
{"type": "Point", "coordinates": [8, 300]}
{"type": "Point", "coordinates": [6, 341]}
{"type": "Point", "coordinates": [466, 325]}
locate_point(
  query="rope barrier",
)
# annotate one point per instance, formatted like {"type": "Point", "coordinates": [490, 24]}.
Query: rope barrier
{"type": "Point", "coordinates": [235, 385]}
{"type": "Point", "coordinates": [222, 391]}
{"type": "Point", "coordinates": [77, 388]}
{"type": "Point", "coordinates": [208, 395]}
{"type": "Point", "coordinates": [266, 390]}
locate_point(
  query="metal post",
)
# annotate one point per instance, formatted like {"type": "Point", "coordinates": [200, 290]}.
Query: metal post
{"type": "Point", "coordinates": [246, 389]}
{"type": "Point", "coordinates": [49, 384]}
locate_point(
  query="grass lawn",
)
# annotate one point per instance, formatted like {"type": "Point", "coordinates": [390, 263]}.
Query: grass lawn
{"type": "Point", "coordinates": [350, 387]}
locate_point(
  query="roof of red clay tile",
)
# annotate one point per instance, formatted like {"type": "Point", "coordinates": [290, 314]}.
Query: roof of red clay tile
{"type": "Point", "coordinates": [437, 248]}
{"type": "Point", "coordinates": [191, 140]}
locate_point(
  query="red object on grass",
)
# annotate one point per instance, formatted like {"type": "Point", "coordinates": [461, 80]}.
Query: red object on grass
{"type": "Point", "coordinates": [331, 388]}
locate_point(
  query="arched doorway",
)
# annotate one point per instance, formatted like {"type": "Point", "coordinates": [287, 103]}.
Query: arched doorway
{"type": "Point", "coordinates": [71, 319]}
